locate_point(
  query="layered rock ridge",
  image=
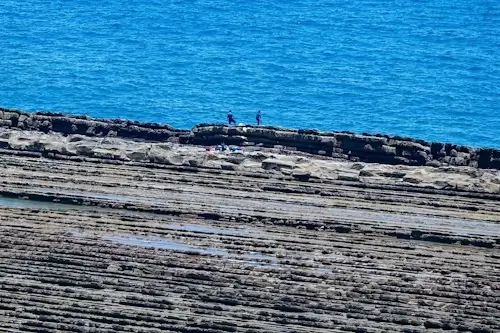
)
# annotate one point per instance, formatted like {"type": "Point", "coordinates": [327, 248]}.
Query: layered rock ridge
{"type": "Point", "coordinates": [84, 125]}
{"type": "Point", "coordinates": [371, 148]}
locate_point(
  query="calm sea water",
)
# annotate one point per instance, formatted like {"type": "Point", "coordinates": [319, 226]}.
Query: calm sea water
{"type": "Point", "coordinates": [429, 69]}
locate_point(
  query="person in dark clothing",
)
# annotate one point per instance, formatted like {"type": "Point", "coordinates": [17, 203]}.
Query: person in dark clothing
{"type": "Point", "coordinates": [259, 118]}
{"type": "Point", "coordinates": [230, 118]}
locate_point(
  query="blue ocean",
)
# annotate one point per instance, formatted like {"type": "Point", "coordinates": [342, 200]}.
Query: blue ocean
{"type": "Point", "coordinates": [427, 68]}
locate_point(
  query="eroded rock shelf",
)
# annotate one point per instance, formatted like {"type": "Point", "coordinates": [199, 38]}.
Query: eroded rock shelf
{"type": "Point", "coordinates": [110, 232]}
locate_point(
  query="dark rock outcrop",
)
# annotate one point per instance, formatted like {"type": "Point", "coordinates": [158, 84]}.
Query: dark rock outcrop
{"type": "Point", "coordinates": [72, 124]}
{"type": "Point", "coordinates": [372, 148]}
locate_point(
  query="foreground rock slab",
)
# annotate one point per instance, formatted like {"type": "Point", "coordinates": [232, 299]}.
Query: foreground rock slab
{"type": "Point", "coordinates": [129, 236]}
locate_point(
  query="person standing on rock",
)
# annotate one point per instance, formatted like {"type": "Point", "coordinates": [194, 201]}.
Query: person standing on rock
{"type": "Point", "coordinates": [259, 118]}
{"type": "Point", "coordinates": [230, 118]}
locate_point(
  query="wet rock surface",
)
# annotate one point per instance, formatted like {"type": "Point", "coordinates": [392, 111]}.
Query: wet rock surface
{"type": "Point", "coordinates": [114, 235]}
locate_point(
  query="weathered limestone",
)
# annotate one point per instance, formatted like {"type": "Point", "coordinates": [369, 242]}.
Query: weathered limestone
{"type": "Point", "coordinates": [208, 242]}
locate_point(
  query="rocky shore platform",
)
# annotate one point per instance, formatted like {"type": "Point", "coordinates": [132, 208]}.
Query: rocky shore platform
{"type": "Point", "coordinates": [119, 226]}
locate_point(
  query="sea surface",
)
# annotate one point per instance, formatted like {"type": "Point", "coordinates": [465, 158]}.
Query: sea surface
{"type": "Point", "coordinates": [428, 69]}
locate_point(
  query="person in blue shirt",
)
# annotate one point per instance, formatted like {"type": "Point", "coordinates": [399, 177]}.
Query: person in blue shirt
{"type": "Point", "coordinates": [230, 118]}
{"type": "Point", "coordinates": [259, 118]}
